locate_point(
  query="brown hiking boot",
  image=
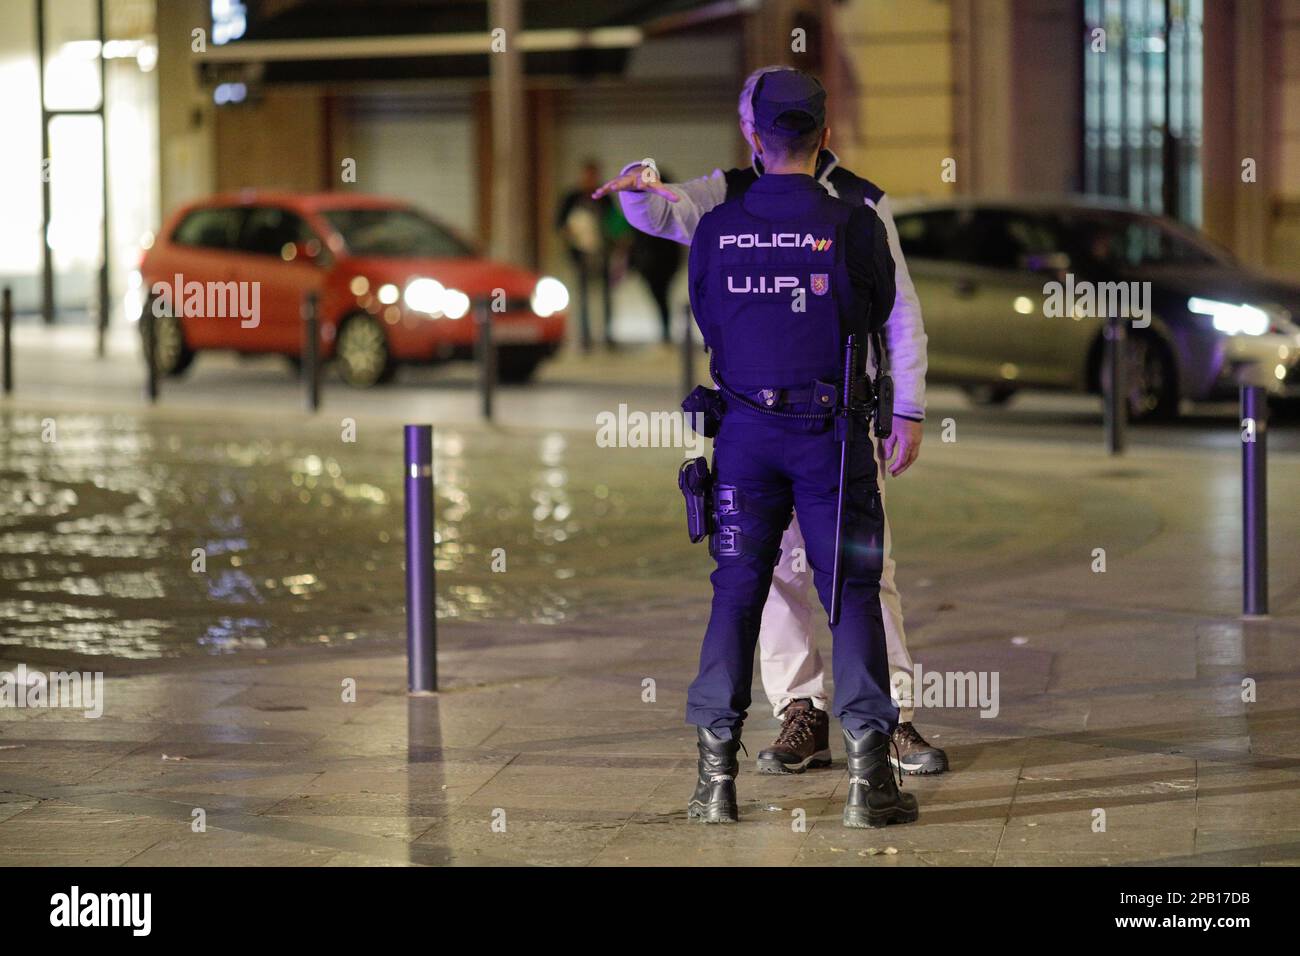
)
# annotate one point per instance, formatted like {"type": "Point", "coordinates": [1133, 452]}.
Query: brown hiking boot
{"type": "Point", "coordinates": [804, 740]}
{"type": "Point", "coordinates": [915, 755]}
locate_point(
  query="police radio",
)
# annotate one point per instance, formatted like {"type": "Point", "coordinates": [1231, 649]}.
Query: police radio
{"type": "Point", "coordinates": [883, 425]}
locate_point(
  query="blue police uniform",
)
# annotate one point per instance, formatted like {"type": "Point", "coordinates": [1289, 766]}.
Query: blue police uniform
{"type": "Point", "coordinates": [779, 277]}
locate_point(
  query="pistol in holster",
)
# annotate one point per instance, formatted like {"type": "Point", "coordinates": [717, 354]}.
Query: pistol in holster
{"type": "Point", "coordinates": [696, 483]}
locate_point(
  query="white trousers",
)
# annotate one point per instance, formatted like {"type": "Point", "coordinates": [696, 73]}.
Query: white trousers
{"type": "Point", "coordinates": [789, 660]}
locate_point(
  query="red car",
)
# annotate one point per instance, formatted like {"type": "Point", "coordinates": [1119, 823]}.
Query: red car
{"type": "Point", "coordinates": [232, 272]}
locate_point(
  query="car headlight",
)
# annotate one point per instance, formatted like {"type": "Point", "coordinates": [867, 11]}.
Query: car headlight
{"type": "Point", "coordinates": [549, 296]}
{"type": "Point", "coordinates": [424, 295]}
{"type": "Point", "coordinates": [1230, 318]}
{"type": "Point", "coordinates": [455, 304]}
{"type": "Point", "coordinates": [134, 297]}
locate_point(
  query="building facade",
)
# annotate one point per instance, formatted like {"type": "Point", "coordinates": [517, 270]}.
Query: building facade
{"type": "Point", "coordinates": [1186, 106]}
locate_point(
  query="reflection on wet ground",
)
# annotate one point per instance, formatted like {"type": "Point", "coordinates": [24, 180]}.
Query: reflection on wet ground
{"type": "Point", "coordinates": [143, 537]}
{"type": "Point", "coordinates": [171, 533]}
{"type": "Point", "coordinates": [557, 737]}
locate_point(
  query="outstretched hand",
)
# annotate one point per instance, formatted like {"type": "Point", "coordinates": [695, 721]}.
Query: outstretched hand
{"type": "Point", "coordinates": [638, 179]}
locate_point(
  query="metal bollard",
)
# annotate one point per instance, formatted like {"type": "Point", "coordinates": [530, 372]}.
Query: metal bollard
{"type": "Point", "coordinates": [486, 354]}
{"type": "Point", "coordinates": [148, 329]}
{"type": "Point", "coordinates": [311, 350]}
{"type": "Point", "coordinates": [1114, 403]}
{"type": "Point", "coordinates": [421, 609]}
{"type": "Point", "coordinates": [101, 337]}
{"type": "Point", "coordinates": [1254, 500]}
{"type": "Point", "coordinates": [688, 352]}
{"type": "Point", "coordinates": [7, 343]}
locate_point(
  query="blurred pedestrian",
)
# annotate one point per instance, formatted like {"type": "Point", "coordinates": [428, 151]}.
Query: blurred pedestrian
{"type": "Point", "coordinates": [584, 224]}
{"type": "Point", "coordinates": [658, 260]}
{"type": "Point", "coordinates": [619, 238]}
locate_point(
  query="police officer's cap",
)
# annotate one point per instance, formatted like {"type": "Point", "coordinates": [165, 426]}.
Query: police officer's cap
{"type": "Point", "coordinates": [789, 100]}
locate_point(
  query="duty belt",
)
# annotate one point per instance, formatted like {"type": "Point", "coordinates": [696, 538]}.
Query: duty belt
{"type": "Point", "coordinates": [821, 395]}
{"type": "Point", "coordinates": [817, 409]}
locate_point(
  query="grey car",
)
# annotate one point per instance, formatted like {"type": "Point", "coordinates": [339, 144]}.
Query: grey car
{"type": "Point", "coordinates": [1016, 295]}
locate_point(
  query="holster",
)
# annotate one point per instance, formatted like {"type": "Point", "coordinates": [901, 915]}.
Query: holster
{"type": "Point", "coordinates": [696, 483]}
{"type": "Point", "coordinates": [878, 407]}
{"type": "Point", "coordinates": [851, 423]}
{"type": "Point", "coordinates": [705, 407]}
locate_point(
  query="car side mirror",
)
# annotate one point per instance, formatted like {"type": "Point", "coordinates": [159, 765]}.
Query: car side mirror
{"type": "Point", "coordinates": [1053, 262]}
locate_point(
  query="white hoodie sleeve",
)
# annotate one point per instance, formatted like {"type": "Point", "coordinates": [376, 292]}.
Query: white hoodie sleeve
{"type": "Point", "coordinates": [656, 216]}
{"type": "Point", "coordinates": [904, 332]}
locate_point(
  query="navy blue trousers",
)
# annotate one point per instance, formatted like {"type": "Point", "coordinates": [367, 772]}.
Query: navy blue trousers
{"type": "Point", "coordinates": [774, 469]}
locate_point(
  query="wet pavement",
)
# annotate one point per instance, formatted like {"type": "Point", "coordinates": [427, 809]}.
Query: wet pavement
{"type": "Point", "coordinates": [300, 531]}
{"type": "Point", "coordinates": [1139, 719]}
{"type": "Point", "coordinates": [56, 367]}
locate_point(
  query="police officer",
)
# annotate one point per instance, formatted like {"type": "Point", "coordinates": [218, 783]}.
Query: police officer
{"type": "Point", "coordinates": [779, 278]}
{"type": "Point", "coordinates": [791, 667]}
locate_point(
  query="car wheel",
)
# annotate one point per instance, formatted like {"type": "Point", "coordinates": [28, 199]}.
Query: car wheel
{"type": "Point", "coordinates": [361, 351]}
{"type": "Point", "coordinates": [989, 395]}
{"type": "Point", "coordinates": [516, 366]}
{"type": "Point", "coordinates": [171, 356]}
{"type": "Point", "coordinates": [1151, 378]}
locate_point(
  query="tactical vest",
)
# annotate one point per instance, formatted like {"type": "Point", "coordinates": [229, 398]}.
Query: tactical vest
{"type": "Point", "coordinates": [778, 298]}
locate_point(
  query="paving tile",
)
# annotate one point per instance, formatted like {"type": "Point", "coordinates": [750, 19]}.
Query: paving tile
{"type": "Point", "coordinates": [57, 831]}
{"type": "Point", "coordinates": [703, 852]}
{"type": "Point", "coordinates": [221, 848]}
{"type": "Point", "coordinates": [1244, 847]}
{"type": "Point", "coordinates": [1114, 694]}
{"type": "Point", "coordinates": [532, 842]}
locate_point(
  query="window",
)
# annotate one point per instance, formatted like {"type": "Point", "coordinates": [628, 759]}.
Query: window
{"type": "Point", "coordinates": [394, 232]}
{"type": "Point", "coordinates": [1142, 104]}
{"type": "Point", "coordinates": [993, 238]}
{"type": "Point", "coordinates": [209, 228]}
{"type": "Point", "coordinates": [929, 235]}
{"type": "Point", "coordinates": [271, 231]}
{"type": "Point", "coordinates": [1134, 241]}
{"type": "Point", "coordinates": [1005, 240]}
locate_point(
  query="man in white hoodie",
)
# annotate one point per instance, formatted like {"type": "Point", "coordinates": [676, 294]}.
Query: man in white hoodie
{"type": "Point", "coordinates": [794, 676]}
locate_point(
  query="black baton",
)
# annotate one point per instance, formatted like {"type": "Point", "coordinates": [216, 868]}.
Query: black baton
{"type": "Point", "coordinates": [846, 423]}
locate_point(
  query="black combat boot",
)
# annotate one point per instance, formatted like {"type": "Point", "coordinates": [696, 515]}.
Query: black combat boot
{"type": "Point", "coordinates": [874, 799]}
{"type": "Point", "coordinates": [714, 800]}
